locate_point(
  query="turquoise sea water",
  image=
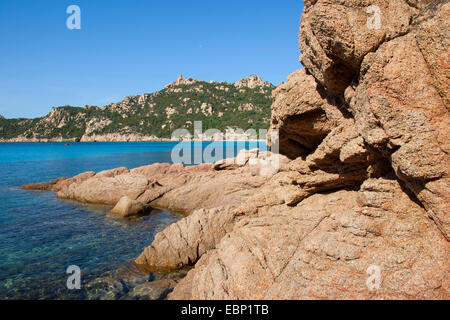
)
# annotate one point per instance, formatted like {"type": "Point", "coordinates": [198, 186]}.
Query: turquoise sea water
{"type": "Point", "coordinates": [40, 235]}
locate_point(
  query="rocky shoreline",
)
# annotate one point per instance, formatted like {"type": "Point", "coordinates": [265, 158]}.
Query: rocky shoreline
{"type": "Point", "coordinates": [363, 180]}
{"type": "Point", "coordinates": [276, 231]}
{"type": "Point", "coordinates": [176, 187]}
{"type": "Point", "coordinates": [119, 138]}
{"type": "Point", "coordinates": [100, 138]}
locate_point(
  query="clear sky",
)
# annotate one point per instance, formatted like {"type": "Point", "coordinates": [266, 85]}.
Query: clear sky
{"type": "Point", "coordinates": [130, 47]}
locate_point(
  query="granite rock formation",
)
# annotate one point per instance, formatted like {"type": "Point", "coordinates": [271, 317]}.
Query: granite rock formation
{"type": "Point", "coordinates": [359, 205]}
{"type": "Point", "coordinates": [366, 127]}
{"type": "Point", "coordinates": [180, 188]}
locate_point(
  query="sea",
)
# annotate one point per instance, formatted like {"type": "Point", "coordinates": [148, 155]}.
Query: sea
{"type": "Point", "coordinates": [41, 236]}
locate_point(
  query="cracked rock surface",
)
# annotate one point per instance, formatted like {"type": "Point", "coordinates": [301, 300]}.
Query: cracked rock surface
{"type": "Point", "coordinates": [366, 128]}
{"type": "Point", "coordinates": [363, 175]}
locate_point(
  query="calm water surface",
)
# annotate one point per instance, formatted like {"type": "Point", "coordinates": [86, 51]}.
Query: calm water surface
{"type": "Point", "coordinates": [40, 235]}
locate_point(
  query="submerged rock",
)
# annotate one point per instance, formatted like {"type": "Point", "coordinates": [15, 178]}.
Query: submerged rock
{"type": "Point", "coordinates": [156, 290]}
{"type": "Point", "coordinates": [129, 282]}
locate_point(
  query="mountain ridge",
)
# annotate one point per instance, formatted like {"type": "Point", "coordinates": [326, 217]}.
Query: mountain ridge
{"type": "Point", "coordinates": [153, 116]}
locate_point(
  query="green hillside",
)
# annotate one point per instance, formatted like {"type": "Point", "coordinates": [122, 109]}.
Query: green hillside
{"type": "Point", "coordinates": [220, 105]}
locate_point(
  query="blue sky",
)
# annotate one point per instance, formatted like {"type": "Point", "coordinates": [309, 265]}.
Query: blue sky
{"type": "Point", "coordinates": [137, 46]}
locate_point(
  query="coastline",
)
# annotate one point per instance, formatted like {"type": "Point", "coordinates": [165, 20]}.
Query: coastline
{"type": "Point", "coordinates": [143, 140]}
{"type": "Point", "coordinates": [229, 207]}
{"type": "Point", "coordinates": [84, 235]}
{"type": "Point", "coordinates": [357, 206]}
{"type": "Point", "coordinates": [73, 140]}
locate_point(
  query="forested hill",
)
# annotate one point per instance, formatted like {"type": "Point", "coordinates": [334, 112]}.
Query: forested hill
{"type": "Point", "coordinates": [221, 105]}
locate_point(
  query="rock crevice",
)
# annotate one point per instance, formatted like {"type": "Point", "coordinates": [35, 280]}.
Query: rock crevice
{"type": "Point", "coordinates": [365, 173]}
{"type": "Point", "coordinates": [364, 142]}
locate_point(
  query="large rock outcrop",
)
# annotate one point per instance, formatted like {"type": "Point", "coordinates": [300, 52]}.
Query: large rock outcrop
{"type": "Point", "coordinates": [322, 248]}
{"type": "Point", "coordinates": [366, 126]}
{"type": "Point", "coordinates": [363, 177]}
{"type": "Point", "coordinates": [179, 188]}
{"type": "Point", "coordinates": [304, 114]}
{"type": "Point", "coordinates": [394, 88]}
